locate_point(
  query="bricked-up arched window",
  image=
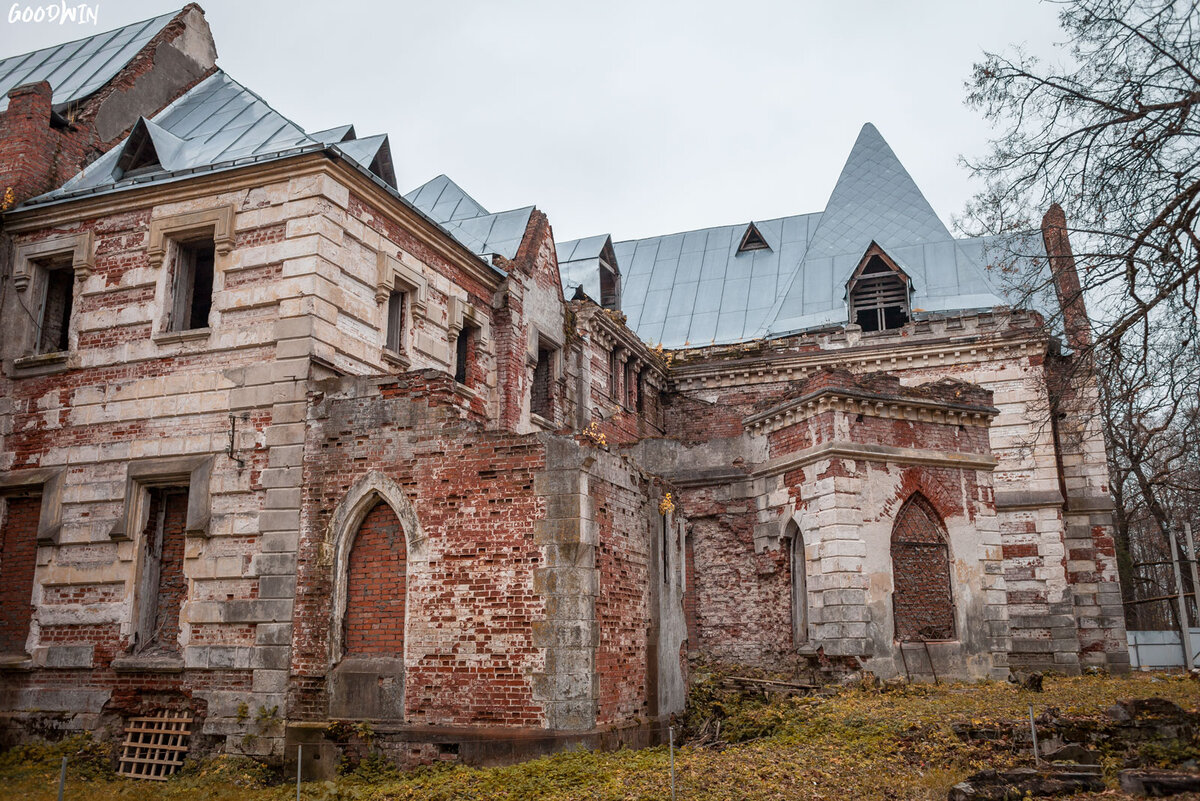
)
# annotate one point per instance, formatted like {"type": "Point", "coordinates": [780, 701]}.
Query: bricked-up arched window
{"type": "Point", "coordinates": [799, 570]}
{"type": "Point", "coordinates": [923, 601]}
{"type": "Point", "coordinates": [376, 587]}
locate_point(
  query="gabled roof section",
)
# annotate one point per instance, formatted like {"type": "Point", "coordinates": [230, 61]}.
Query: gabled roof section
{"type": "Point", "coordinates": [148, 146]}
{"type": "Point", "coordinates": [332, 136]}
{"type": "Point", "coordinates": [217, 123]}
{"type": "Point", "coordinates": [500, 233]}
{"type": "Point", "coordinates": [752, 239]}
{"type": "Point", "coordinates": [443, 201]}
{"type": "Point", "coordinates": [77, 69]}
{"type": "Point", "coordinates": [374, 153]}
{"type": "Point", "coordinates": [579, 262]}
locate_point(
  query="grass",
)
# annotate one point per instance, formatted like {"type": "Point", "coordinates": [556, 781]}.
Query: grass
{"type": "Point", "coordinates": [859, 744]}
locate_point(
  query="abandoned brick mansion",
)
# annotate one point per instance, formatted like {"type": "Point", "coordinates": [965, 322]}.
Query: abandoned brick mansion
{"type": "Point", "coordinates": [283, 444]}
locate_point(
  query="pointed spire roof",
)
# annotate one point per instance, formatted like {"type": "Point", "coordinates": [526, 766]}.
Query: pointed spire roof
{"type": "Point", "coordinates": [875, 199]}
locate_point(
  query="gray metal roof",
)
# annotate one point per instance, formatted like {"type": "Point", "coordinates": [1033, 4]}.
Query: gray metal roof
{"type": "Point", "coordinates": [219, 123]}
{"type": "Point", "coordinates": [77, 69]}
{"type": "Point", "coordinates": [447, 204]}
{"type": "Point", "coordinates": [443, 200]}
{"type": "Point", "coordinates": [579, 264]}
{"type": "Point", "coordinates": [694, 288]}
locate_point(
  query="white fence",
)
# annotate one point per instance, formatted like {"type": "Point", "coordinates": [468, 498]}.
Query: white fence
{"type": "Point", "coordinates": [1153, 650]}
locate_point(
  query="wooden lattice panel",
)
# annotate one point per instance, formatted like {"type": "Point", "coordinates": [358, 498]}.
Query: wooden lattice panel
{"type": "Point", "coordinates": [155, 746]}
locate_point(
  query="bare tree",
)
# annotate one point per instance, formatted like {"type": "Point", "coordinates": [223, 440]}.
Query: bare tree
{"type": "Point", "coordinates": [1111, 136]}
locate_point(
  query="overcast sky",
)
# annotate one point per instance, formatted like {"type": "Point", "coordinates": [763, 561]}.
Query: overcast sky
{"type": "Point", "coordinates": [629, 118]}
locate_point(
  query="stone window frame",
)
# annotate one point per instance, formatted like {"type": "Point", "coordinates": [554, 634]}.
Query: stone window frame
{"type": "Point", "coordinates": [460, 314]}
{"type": "Point", "coordinates": [391, 275]}
{"type": "Point", "coordinates": [539, 340]}
{"type": "Point", "coordinates": [50, 482]}
{"type": "Point", "coordinates": [165, 235]}
{"type": "Point", "coordinates": [194, 472]}
{"type": "Point", "coordinates": [359, 500]}
{"type": "Point", "coordinates": [793, 534]}
{"type": "Point", "coordinates": [27, 273]}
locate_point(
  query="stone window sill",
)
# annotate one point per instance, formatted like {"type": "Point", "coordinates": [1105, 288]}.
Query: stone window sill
{"type": "Point", "coordinates": [542, 422]}
{"type": "Point", "coordinates": [41, 363]}
{"type": "Point", "coordinates": [148, 664]}
{"type": "Point", "coordinates": [465, 391]}
{"type": "Point", "coordinates": [396, 359]}
{"type": "Point", "coordinates": [174, 337]}
{"type": "Point", "coordinates": [17, 661]}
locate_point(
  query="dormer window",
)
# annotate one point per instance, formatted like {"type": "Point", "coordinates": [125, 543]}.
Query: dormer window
{"type": "Point", "coordinates": [878, 293]}
{"type": "Point", "coordinates": [610, 286]}
{"type": "Point", "coordinates": [752, 239]}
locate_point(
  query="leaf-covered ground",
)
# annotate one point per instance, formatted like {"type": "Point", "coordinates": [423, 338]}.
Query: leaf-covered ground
{"type": "Point", "coordinates": [859, 744]}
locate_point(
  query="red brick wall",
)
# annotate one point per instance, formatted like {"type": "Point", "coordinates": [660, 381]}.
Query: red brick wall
{"type": "Point", "coordinates": [472, 604]}
{"type": "Point", "coordinates": [18, 558]}
{"type": "Point", "coordinates": [375, 587]}
{"type": "Point", "coordinates": [622, 610]}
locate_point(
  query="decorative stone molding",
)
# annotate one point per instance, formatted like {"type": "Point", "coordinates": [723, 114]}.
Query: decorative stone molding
{"type": "Point", "coordinates": [80, 247]}
{"type": "Point", "coordinates": [875, 453]}
{"type": "Point", "coordinates": [194, 472]}
{"type": "Point", "coordinates": [339, 540]}
{"type": "Point", "coordinates": [802, 408]}
{"type": "Point", "coordinates": [219, 221]}
{"type": "Point", "coordinates": [392, 273]}
{"type": "Point", "coordinates": [459, 311]}
{"type": "Point", "coordinates": [50, 479]}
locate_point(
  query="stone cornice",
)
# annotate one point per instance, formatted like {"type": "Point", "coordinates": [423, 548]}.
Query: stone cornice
{"type": "Point", "coordinates": [611, 334]}
{"type": "Point", "coordinates": [866, 403]}
{"type": "Point", "coordinates": [941, 350]}
{"type": "Point", "coordinates": [839, 449]}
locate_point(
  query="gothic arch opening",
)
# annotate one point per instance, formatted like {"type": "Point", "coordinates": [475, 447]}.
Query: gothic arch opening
{"type": "Point", "coordinates": [923, 599]}
{"type": "Point", "coordinates": [376, 587]}
{"type": "Point", "coordinates": [799, 583]}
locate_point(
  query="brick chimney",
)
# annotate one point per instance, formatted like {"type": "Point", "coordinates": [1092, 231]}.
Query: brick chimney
{"type": "Point", "coordinates": [26, 148]}
{"type": "Point", "coordinates": [1076, 327]}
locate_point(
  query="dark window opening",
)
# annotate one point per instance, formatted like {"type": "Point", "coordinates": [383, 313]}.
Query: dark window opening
{"type": "Point", "coordinates": [614, 374]}
{"type": "Point", "coordinates": [541, 400]}
{"type": "Point", "coordinates": [163, 585]}
{"type": "Point", "coordinates": [641, 393]}
{"type": "Point", "coordinates": [879, 298]}
{"type": "Point", "coordinates": [610, 288]}
{"type": "Point", "coordinates": [464, 355]}
{"type": "Point", "coordinates": [923, 601]}
{"type": "Point", "coordinates": [54, 319]}
{"type": "Point", "coordinates": [752, 240]}
{"type": "Point", "coordinates": [397, 300]}
{"type": "Point", "coordinates": [139, 156]}
{"type": "Point", "coordinates": [193, 285]}
{"type": "Point", "coordinates": [666, 550]}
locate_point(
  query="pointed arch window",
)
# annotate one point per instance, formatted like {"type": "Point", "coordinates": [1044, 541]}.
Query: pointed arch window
{"type": "Point", "coordinates": [799, 584]}
{"type": "Point", "coordinates": [923, 600]}
{"type": "Point", "coordinates": [878, 293]}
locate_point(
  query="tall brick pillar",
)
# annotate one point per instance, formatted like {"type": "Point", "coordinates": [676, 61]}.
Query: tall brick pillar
{"type": "Point", "coordinates": [27, 143]}
{"type": "Point", "coordinates": [1091, 563]}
